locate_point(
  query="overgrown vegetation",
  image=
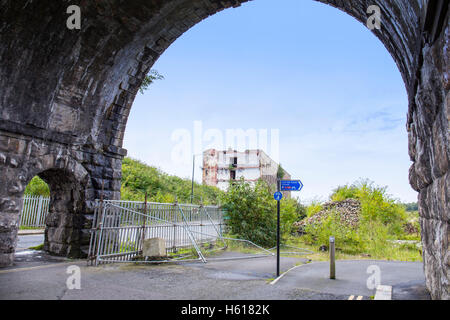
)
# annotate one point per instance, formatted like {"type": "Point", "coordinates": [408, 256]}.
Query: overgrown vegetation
{"type": "Point", "coordinates": [149, 79]}
{"type": "Point", "coordinates": [251, 212]}
{"type": "Point", "coordinates": [382, 220]}
{"type": "Point", "coordinates": [37, 187]}
{"type": "Point", "coordinates": [313, 208]}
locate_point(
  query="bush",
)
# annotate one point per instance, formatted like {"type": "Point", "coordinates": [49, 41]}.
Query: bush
{"type": "Point", "coordinates": [313, 208]}
{"type": "Point", "coordinates": [342, 193]}
{"type": "Point", "coordinates": [37, 187]}
{"type": "Point", "coordinates": [345, 236]}
{"type": "Point", "coordinates": [251, 212]}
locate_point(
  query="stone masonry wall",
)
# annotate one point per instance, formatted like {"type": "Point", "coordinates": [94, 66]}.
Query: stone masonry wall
{"type": "Point", "coordinates": [65, 97]}
{"type": "Point", "coordinates": [76, 177]}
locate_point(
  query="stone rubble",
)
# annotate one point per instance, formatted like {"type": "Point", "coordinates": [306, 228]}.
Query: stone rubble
{"type": "Point", "coordinates": [349, 211]}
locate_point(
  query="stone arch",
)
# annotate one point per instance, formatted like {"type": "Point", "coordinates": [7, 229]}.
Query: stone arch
{"type": "Point", "coordinates": [68, 221]}
{"type": "Point", "coordinates": [72, 90]}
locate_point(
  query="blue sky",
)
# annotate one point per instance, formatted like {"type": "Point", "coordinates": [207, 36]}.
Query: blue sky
{"type": "Point", "coordinates": [309, 70]}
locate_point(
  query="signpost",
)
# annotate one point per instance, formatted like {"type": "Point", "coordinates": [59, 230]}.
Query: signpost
{"type": "Point", "coordinates": [291, 185]}
{"type": "Point", "coordinates": [278, 196]}
{"type": "Point", "coordinates": [283, 185]}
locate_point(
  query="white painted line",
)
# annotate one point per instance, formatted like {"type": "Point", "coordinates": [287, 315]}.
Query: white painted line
{"type": "Point", "coordinates": [359, 298]}
{"type": "Point", "coordinates": [351, 297]}
{"type": "Point", "coordinates": [383, 293]}
{"type": "Point", "coordinates": [283, 274]}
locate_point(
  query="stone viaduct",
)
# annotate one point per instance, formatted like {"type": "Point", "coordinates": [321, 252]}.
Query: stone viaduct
{"type": "Point", "coordinates": [65, 96]}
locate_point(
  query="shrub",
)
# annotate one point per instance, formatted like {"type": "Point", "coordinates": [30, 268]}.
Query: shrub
{"type": "Point", "coordinates": [346, 238]}
{"type": "Point", "coordinates": [313, 208]}
{"type": "Point", "coordinates": [37, 187]}
{"type": "Point", "coordinates": [342, 193]}
{"type": "Point", "coordinates": [251, 212]}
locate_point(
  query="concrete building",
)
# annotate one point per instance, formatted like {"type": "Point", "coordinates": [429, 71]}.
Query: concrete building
{"type": "Point", "coordinates": [219, 167]}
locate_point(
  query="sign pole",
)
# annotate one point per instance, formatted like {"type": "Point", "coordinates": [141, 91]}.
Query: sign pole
{"type": "Point", "coordinates": [278, 231]}
{"type": "Point", "coordinates": [284, 185]}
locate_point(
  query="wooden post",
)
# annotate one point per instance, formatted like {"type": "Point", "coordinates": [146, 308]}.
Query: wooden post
{"type": "Point", "coordinates": [332, 259]}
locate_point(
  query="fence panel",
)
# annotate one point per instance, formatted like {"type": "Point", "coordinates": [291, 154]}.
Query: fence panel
{"type": "Point", "coordinates": [119, 228]}
{"type": "Point", "coordinates": [34, 211]}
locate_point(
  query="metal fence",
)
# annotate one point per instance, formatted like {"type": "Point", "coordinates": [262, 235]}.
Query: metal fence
{"type": "Point", "coordinates": [34, 212]}
{"type": "Point", "coordinates": [119, 228]}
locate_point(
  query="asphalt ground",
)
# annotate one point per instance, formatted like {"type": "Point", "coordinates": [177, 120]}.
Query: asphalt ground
{"type": "Point", "coordinates": [36, 275]}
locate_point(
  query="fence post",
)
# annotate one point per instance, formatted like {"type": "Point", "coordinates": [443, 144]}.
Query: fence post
{"type": "Point", "coordinates": [174, 237]}
{"type": "Point", "coordinates": [143, 225]}
{"type": "Point", "coordinates": [39, 214]}
{"type": "Point", "coordinates": [332, 259]}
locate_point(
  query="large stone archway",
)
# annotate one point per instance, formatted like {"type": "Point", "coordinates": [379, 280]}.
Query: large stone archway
{"type": "Point", "coordinates": [69, 92]}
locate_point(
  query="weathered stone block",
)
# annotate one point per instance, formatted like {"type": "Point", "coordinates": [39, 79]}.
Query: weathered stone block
{"type": "Point", "coordinates": [154, 247]}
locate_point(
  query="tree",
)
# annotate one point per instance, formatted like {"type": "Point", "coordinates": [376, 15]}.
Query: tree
{"type": "Point", "coordinates": [149, 79]}
{"type": "Point", "coordinates": [280, 172]}
{"type": "Point", "coordinates": [251, 212]}
{"type": "Point", "coordinates": [37, 187]}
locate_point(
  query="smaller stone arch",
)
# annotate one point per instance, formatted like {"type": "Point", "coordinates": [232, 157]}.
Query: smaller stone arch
{"type": "Point", "coordinates": [70, 213]}
{"type": "Point", "coordinates": [67, 223]}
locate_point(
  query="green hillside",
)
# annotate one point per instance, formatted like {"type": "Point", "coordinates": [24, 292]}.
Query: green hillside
{"type": "Point", "coordinates": [137, 178]}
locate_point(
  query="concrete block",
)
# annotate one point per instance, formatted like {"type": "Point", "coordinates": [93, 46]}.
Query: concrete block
{"type": "Point", "coordinates": [154, 247]}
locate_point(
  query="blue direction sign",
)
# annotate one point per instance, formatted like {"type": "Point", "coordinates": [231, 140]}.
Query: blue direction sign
{"type": "Point", "coordinates": [277, 195]}
{"type": "Point", "coordinates": [291, 185]}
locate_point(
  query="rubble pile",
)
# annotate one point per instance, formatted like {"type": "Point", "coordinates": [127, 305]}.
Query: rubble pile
{"type": "Point", "coordinates": [349, 211]}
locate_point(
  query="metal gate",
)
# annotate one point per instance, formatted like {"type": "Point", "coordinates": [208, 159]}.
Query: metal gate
{"type": "Point", "coordinates": [119, 228]}
{"type": "Point", "coordinates": [34, 211]}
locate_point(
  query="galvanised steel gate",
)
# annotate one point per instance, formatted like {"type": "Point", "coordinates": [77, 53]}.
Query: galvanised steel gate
{"type": "Point", "coordinates": [119, 228]}
{"type": "Point", "coordinates": [34, 211]}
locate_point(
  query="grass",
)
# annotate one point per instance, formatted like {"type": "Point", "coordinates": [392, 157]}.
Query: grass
{"type": "Point", "coordinates": [243, 247]}
{"type": "Point", "coordinates": [372, 251]}
{"type": "Point", "coordinates": [30, 228]}
{"type": "Point", "coordinates": [39, 247]}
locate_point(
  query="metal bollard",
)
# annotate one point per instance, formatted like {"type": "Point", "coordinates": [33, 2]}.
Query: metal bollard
{"type": "Point", "coordinates": [332, 259]}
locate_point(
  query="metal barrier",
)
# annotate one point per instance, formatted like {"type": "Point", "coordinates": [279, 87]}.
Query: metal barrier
{"type": "Point", "coordinates": [191, 233]}
{"type": "Point", "coordinates": [119, 228]}
{"type": "Point", "coordinates": [34, 211]}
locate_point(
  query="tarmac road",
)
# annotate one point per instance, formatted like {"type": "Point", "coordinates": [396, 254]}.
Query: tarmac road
{"type": "Point", "coordinates": [25, 242]}
{"type": "Point", "coordinates": [245, 279]}
{"type": "Point", "coordinates": [406, 278]}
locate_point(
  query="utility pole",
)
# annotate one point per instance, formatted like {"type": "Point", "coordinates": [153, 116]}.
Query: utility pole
{"type": "Point", "coordinates": [192, 186]}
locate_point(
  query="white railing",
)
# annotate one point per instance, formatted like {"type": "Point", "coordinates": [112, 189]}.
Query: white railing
{"type": "Point", "coordinates": [34, 212]}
